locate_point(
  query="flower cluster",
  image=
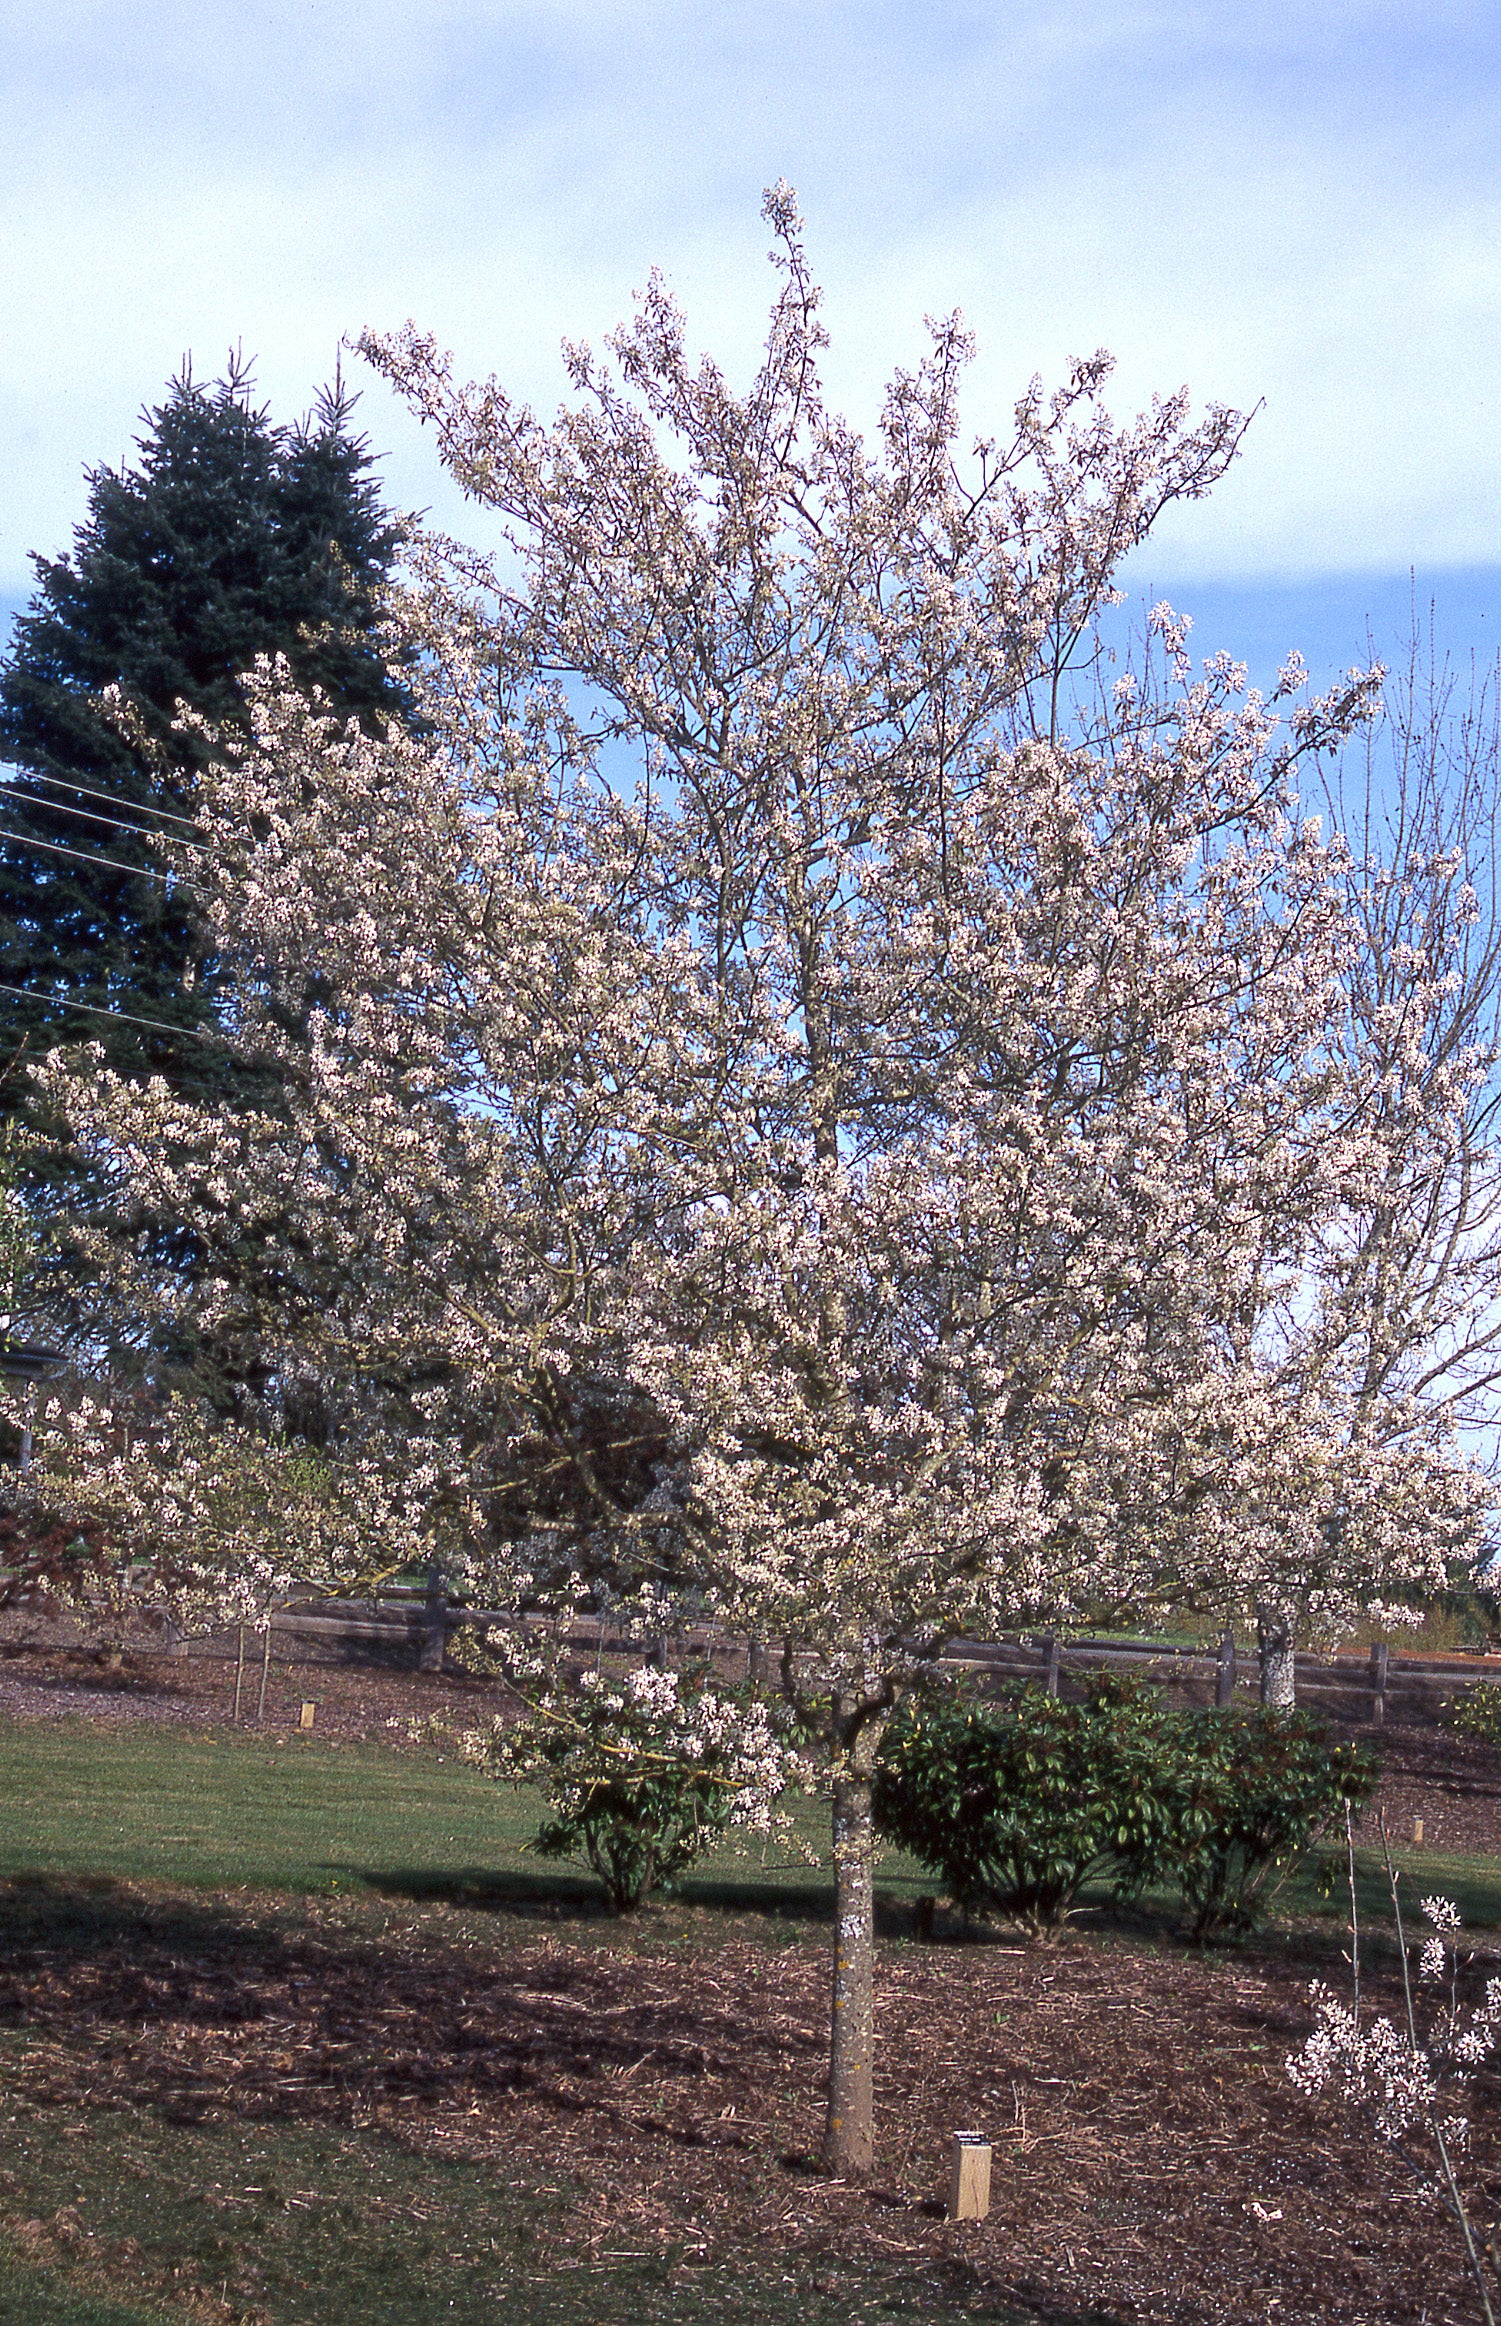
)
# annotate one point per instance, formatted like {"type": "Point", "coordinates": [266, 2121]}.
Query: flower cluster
{"type": "Point", "coordinates": [208, 1521]}
{"type": "Point", "coordinates": [1402, 2080]}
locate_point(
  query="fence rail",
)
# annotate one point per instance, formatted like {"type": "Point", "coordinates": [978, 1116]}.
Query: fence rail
{"type": "Point", "coordinates": [1383, 1686]}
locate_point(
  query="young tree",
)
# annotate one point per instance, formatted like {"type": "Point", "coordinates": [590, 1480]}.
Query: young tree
{"type": "Point", "coordinates": [1388, 1346]}
{"type": "Point", "coordinates": [813, 1182]}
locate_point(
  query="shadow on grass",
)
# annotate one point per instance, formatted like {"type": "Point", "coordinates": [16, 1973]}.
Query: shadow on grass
{"type": "Point", "coordinates": [578, 1897]}
{"type": "Point", "coordinates": [80, 1914]}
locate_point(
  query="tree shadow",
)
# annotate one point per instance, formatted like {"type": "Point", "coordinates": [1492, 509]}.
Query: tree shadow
{"type": "Point", "coordinates": [529, 1897]}
{"type": "Point", "coordinates": [198, 2011]}
{"type": "Point", "coordinates": [577, 1897]}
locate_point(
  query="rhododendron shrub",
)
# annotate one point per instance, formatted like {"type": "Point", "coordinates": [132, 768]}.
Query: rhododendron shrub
{"type": "Point", "coordinates": [643, 1773]}
{"type": "Point", "coordinates": [856, 1174]}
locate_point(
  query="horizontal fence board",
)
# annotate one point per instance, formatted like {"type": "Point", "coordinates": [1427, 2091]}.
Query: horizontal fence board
{"type": "Point", "coordinates": [410, 1621]}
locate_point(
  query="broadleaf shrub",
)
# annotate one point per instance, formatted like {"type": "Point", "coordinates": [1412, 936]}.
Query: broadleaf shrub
{"type": "Point", "coordinates": [1476, 1712]}
{"type": "Point", "coordinates": [1250, 1793]}
{"type": "Point", "coordinates": [643, 1774]}
{"type": "Point", "coordinates": [1015, 1806]}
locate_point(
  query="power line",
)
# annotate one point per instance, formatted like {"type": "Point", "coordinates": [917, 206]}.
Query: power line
{"type": "Point", "coordinates": [112, 823]}
{"type": "Point", "coordinates": [111, 863]}
{"type": "Point", "coordinates": [53, 1001]}
{"type": "Point", "coordinates": [90, 792]}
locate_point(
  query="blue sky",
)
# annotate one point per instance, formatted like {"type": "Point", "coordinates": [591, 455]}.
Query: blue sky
{"type": "Point", "coordinates": [1295, 205]}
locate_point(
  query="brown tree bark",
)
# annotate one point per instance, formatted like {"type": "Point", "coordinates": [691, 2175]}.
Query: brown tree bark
{"type": "Point", "coordinates": [849, 2129]}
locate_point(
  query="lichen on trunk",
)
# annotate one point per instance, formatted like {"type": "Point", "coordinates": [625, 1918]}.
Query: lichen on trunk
{"type": "Point", "coordinates": [849, 2131]}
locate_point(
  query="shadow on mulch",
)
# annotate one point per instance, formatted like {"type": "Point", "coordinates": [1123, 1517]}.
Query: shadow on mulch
{"type": "Point", "coordinates": [1152, 2161]}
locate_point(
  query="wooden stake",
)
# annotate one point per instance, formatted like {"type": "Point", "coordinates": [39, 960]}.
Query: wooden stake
{"type": "Point", "coordinates": [308, 1712]}
{"type": "Point", "coordinates": [239, 1675]}
{"type": "Point", "coordinates": [1417, 1832]}
{"type": "Point", "coordinates": [260, 1710]}
{"type": "Point", "coordinates": [969, 2177]}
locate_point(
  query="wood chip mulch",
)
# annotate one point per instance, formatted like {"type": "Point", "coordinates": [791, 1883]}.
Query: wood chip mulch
{"type": "Point", "coordinates": [1152, 2160]}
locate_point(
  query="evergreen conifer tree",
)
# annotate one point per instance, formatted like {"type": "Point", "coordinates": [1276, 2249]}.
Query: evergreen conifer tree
{"type": "Point", "coordinates": [231, 537]}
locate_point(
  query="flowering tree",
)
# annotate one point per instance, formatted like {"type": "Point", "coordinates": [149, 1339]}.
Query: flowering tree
{"type": "Point", "coordinates": [817, 1178]}
{"type": "Point", "coordinates": [203, 1521]}
{"type": "Point", "coordinates": [1385, 1348]}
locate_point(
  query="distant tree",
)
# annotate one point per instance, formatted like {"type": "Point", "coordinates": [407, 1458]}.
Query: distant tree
{"type": "Point", "coordinates": [230, 538]}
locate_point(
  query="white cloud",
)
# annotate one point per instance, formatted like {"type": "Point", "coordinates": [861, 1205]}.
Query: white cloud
{"type": "Point", "coordinates": [1283, 202]}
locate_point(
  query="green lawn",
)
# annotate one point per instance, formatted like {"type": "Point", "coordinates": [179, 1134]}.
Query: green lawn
{"type": "Point", "coordinates": [226, 1812]}
{"type": "Point", "coordinates": [165, 1805]}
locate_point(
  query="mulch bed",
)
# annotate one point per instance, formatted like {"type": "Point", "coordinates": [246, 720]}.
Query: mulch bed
{"type": "Point", "coordinates": [1152, 2161]}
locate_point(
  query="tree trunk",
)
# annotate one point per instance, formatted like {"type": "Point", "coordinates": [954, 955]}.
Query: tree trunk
{"type": "Point", "coordinates": [1279, 1674]}
{"type": "Point", "coordinates": [849, 2130]}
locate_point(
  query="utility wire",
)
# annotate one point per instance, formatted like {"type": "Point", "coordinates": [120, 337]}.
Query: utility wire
{"type": "Point", "coordinates": [54, 1001]}
{"type": "Point", "coordinates": [111, 823]}
{"type": "Point", "coordinates": [111, 863]}
{"type": "Point", "coordinates": [110, 799]}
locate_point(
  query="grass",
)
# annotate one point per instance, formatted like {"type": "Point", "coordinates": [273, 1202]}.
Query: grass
{"type": "Point", "coordinates": [307, 1816]}
{"type": "Point", "coordinates": [38, 2297]}
{"type": "Point", "coordinates": [321, 2228]}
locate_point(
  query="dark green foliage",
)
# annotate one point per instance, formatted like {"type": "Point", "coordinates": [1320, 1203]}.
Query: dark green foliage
{"type": "Point", "coordinates": [641, 1778]}
{"type": "Point", "coordinates": [1249, 1794]}
{"type": "Point", "coordinates": [637, 1833]}
{"type": "Point", "coordinates": [1476, 1712]}
{"type": "Point", "coordinates": [1016, 1806]}
{"type": "Point", "coordinates": [230, 538]}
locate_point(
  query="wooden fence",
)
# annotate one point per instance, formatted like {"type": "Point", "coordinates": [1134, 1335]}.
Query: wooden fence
{"type": "Point", "coordinates": [413, 1627]}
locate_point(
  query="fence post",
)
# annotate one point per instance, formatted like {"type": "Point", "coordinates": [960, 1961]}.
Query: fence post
{"type": "Point", "coordinates": [434, 1626]}
{"type": "Point", "coordinates": [1224, 1679]}
{"type": "Point", "coordinates": [1379, 1655]}
{"type": "Point", "coordinates": [1052, 1660]}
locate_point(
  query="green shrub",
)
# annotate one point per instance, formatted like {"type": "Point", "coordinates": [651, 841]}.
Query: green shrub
{"type": "Point", "coordinates": [1249, 1794]}
{"type": "Point", "coordinates": [1017, 1806]}
{"type": "Point", "coordinates": [643, 1774]}
{"type": "Point", "coordinates": [1476, 1712]}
